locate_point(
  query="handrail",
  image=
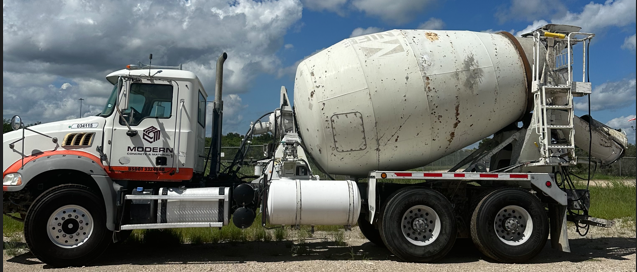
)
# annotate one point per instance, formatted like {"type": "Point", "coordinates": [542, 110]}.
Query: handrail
{"type": "Point", "coordinates": [181, 110]}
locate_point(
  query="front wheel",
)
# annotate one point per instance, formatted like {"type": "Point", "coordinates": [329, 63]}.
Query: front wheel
{"type": "Point", "coordinates": [66, 226]}
{"type": "Point", "coordinates": [510, 225]}
{"type": "Point", "coordinates": [418, 225]}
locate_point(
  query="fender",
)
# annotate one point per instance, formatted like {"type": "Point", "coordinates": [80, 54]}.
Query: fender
{"type": "Point", "coordinates": [68, 160]}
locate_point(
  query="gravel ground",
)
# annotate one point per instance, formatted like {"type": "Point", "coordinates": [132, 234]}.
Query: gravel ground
{"type": "Point", "coordinates": [601, 250]}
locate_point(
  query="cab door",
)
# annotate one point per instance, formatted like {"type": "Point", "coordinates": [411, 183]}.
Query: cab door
{"type": "Point", "coordinates": [147, 150]}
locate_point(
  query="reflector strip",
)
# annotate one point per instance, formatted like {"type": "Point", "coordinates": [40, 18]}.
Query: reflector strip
{"type": "Point", "coordinates": [452, 175]}
{"type": "Point", "coordinates": [519, 176]}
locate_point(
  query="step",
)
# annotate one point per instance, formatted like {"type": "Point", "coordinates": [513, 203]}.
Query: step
{"type": "Point", "coordinates": [561, 146]}
{"type": "Point", "coordinates": [558, 107]}
{"type": "Point", "coordinates": [558, 88]}
{"type": "Point", "coordinates": [559, 126]}
{"type": "Point", "coordinates": [172, 225]}
{"type": "Point", "coordinates": [175, 197]}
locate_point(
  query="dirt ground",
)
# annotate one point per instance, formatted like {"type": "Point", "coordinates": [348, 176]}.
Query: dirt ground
{"type": "Point", "coordinates": [601, 250]}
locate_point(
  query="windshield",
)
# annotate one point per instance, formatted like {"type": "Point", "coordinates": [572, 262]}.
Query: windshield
{"type": "Point", "coordinates": [110, 104]}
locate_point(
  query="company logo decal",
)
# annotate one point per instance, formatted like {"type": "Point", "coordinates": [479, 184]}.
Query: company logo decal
{"type": "Point", "coordinates": [151, 134]}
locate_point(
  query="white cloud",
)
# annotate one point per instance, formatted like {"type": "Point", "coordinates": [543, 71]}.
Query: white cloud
{"type": "Point", "coordinates": [432, 24]}
{"type": "Point", "coordinates": [490, 30]}
{"type": "Point", "coordinates": [594, 17]}
{"type": "Point", "coordinates": [232, 108]}
{"type": "Point", "coordinates": [626, 126]}
{"type": "Point", "coordinates": [392, 11]}
{"type": "Point", "coordinates": [530, 10]}
{"type": "Point", "coordinates": [80, 42]}
{"type": "Point", "coordinates": [610, 95]}
{"type": "Point", "coordinates": [535, 25]}
{"type": "Point", "coordinates": [364, 31]}
{"type": "Point", "coordinates": [329, 5]}
{"type": "Point", "coordinates": [629, 43]}
{"type": "Point", "coordinates": [288, 46]}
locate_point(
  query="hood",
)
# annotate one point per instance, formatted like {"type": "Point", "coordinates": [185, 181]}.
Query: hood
{"type": "Point", "coordinates": [36, 143]}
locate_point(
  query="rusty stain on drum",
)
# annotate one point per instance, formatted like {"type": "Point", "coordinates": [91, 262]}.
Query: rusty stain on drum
{"type": "Point", "coordinates": [431, 36]}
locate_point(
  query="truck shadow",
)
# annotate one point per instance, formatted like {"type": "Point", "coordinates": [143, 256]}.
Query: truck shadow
{"type": "Point", "coordinates": [317, 249]}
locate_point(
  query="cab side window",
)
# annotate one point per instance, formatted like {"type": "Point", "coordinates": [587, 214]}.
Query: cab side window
{"type": "Point", "coordinates": [148, 101]}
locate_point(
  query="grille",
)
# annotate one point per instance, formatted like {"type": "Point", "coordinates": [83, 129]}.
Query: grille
{"type": "Point", "coordinates": [78, 139]}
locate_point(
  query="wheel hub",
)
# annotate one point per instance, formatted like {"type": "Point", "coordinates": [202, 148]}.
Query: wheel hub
{"type": "Point", "coordinates": [511, 224]}
{"type": "Point", "coordinates": [70, 226]}
{"type": "Point", "coordinates": [420, 224]}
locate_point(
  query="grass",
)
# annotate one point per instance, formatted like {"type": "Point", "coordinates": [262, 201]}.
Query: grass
{"type": "Point", "coordinates": [11, 226]}
{"type": "Point", "coordinates": [617, 200]}
{"type": "Point", "coordinates": [338, 237]}
{"type": "Point", "coordinates": [14, 246]}
{"type": "Point", "coordinates": [598, 176]}
{"type": "Point", "coordinates": [229, 233]}
{"type": "Point", "coordinates": [280, 234]}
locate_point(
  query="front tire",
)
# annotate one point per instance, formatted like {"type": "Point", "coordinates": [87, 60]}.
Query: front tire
{"type": "Point", "coordinates": [65, 226]}
{"type": "Point", "coordinates": [510, 225]}
{"type": "Point", "coordinates": [418, 225]}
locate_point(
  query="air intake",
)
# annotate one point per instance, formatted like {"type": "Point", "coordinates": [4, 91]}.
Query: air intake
{"type": "Point", "coordinates": [78, 139]}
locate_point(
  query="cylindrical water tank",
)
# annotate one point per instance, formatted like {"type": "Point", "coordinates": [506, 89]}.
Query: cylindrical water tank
{"type": "Point", "coordinates": [400, 99]}
{"type": "Point", "coordinates": [313, 202]}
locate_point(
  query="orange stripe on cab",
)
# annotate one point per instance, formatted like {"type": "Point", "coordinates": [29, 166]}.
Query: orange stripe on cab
{"type": "Point", "coordinates": [115, 172]}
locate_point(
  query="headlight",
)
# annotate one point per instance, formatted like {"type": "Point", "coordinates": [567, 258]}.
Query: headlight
{"type": "Point", "coordinates": [13, 179]}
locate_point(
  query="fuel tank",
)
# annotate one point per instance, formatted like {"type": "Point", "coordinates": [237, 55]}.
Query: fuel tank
{"type": "Point", "coordinates": [403, 98]}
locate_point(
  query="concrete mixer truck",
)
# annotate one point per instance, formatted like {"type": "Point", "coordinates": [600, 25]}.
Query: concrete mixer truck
{"type": "Point", "coordinates": [373, 108]}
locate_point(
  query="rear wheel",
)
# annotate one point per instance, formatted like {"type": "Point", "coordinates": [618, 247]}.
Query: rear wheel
{"type": "Point", "coordinates": [369, 231]}
{"type": "Point", "coordinates": [418, 225]}
{"type": "Point", "coordinates": [510, 225]}
{"type": "Point", "coordinates": [66, 226]}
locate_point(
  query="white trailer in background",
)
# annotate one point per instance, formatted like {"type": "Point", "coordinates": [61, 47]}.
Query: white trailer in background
{"type": "Point", "coordinates": [371, 107]}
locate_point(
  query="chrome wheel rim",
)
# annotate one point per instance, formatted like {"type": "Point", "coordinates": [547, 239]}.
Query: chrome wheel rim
{"type": "Point", "coordinates": [420, 225]}
{"type": "Point", "coordinates": [513, 225]}
{"type": "Point", "coordinates": [70, 226]}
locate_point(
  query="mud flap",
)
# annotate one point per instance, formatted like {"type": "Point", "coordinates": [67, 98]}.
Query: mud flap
{"type": "Point", "coordinates": [559, 232]}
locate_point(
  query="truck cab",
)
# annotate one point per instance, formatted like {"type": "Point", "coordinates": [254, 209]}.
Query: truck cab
{"type": "Point", "coordinates": [160, 119]}
{"type": "Point", "coordinates": [149, 134]}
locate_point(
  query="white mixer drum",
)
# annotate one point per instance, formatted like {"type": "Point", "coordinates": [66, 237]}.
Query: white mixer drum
{"type": "Point", "coordinates": [403, 98]}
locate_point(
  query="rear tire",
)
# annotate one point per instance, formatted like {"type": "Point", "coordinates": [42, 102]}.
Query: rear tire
{"type": "Point", "coordinates": [66, 226]}
{"type": "Point", "coordinates": [418, 225]}
{"type": "Point", "coordinates": [510, 225]}
{"type": "Point", "coordinates": [370, 232]}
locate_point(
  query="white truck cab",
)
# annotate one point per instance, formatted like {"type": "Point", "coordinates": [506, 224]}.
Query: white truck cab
{"type": "Point", "coordinates": [161, 118]}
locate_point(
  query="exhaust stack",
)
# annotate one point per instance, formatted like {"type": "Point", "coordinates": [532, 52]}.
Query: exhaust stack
{"type": "Point", "coordinates": [217, 120]}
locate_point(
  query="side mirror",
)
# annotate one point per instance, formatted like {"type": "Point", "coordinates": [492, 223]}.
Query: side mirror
{"type": "Point", "coordinates": [16, 122]}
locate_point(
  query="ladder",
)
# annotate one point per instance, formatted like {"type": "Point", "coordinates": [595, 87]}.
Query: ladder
{"type": "Point", "coordinates": [553, 89]}
{"type": "Point", "coordinates": [557, 135]}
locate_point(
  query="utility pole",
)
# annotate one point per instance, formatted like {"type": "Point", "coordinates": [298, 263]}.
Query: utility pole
{"type": "Point", "coordinates": [81, 99]}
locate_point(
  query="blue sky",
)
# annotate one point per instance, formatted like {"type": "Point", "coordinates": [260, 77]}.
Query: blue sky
{"type": "Point", "coordinates": [53, 54]}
